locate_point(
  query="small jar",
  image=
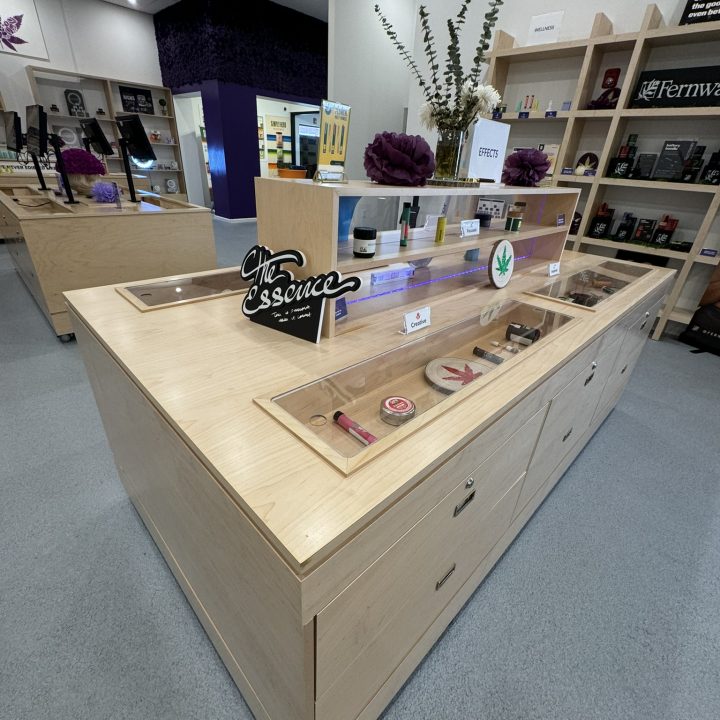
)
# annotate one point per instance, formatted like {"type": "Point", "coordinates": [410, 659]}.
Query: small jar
{"type": "Point", "coordinates": [364, 239]}
{"type": "Point", "coordinates": [515, 215]}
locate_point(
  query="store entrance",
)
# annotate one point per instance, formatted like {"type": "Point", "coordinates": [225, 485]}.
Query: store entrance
{"type": "Point", "coordinates": [194, 147]}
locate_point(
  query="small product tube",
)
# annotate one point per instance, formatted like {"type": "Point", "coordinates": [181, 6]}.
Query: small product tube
{"type": "Point", "coordinates": [440, 230]}
{"type": "Point", "coordinates": [352, 428]}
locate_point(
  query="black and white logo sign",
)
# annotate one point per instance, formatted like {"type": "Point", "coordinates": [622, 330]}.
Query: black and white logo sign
{"type": "Point", "coordinates": [279, 301]}
{"type": "Point", "coordinates": [684, 87]}
{"type": "Point", "coordinates": [697, 11]}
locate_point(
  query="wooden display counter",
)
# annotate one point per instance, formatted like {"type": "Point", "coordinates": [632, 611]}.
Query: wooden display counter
{"type": "Point", "coordinates": [322, 590]}
{"type": "Point", "coordinates": [57, 247]}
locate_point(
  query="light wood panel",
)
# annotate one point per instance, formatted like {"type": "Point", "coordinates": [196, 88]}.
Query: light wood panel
{"type": "Point", "coordinates": [241, 586]}
{"type": "Point", "coordinates": [59, 247]}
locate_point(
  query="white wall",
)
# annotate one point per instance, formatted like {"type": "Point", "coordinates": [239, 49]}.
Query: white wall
{"type": "Point", "coordinates": [86, 36]}
{"type": "Point", "coordinates": [365, 71]}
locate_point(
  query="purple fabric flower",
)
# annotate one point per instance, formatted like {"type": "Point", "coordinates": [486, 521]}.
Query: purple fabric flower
{"type": "Point", "coordinates": [525, 168]}
{"type": "Point", "coordinates": [399, 159]}
{"type": "Point", "coordinates": [104, 192]}
{"type": "Point", "coordinates": [81, 162]}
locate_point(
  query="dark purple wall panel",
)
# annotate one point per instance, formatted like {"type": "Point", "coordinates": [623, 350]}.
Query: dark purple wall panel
{"type": "Point", "coordinates": [258, 44]}
{"type": "Point", "coordinates": [234, 52]}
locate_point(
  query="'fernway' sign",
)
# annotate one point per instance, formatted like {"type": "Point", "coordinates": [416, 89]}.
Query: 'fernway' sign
{"type": "Point", "coordinates": [279, 301]}
{"type": "Point", "coordinates": [683, 87]}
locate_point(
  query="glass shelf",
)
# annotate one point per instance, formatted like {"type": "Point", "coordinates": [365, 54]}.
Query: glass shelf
{"type": "Point", "coordinates": [593, 286]}
{"type": "Point", "coordinates": [433, 372]}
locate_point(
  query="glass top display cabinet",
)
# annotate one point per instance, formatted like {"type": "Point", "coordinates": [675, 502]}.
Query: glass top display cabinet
{"type": "Point", "coordinates": [414, 266]}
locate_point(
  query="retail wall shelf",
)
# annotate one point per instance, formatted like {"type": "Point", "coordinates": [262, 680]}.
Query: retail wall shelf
{"type": "Point", "coordinates": [632, 247]}
{"type": "Point", "coordinates": [680, 315]}
{"type": "Point", "coordinates": [706, 260]}
{"type": "Point", "coordinates": [660, 185]}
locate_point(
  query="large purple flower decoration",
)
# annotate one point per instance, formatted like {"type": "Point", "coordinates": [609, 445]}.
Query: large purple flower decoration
{"type": "Point", "coordinates": [525, 168]}
{"type": "Point", "coordinates": [81, 162]}
{"type": "Point", "coordinates": [399, 159]}
{"type": "Point", "coordinates": [8, 28]}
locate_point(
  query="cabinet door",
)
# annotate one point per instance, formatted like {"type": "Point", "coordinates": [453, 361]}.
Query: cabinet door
{"type": "Point", "coordinates": [364, 634]}
{"type": "Point", "coordinates": [569, 416]}
{"type": "Point", "coordinates": [626, 357]}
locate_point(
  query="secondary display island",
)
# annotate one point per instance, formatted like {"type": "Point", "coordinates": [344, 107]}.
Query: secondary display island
{"type": "Point", "coordinates": [324, 569]}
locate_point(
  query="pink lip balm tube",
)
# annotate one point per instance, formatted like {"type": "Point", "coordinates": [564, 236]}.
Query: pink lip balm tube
{"type": "Point", "coordinates": [351, 427]}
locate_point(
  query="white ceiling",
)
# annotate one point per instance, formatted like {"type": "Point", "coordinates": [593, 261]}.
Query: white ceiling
{"type": "Point", "coordinates": [315, 8]}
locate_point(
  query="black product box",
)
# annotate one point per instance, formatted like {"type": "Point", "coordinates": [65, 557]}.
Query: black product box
{"type": "Point", "coordinates": [644, 231]}
{"type": "Point", "coordinates": [644, 166]}
{"type": "Point", "coordinates": [625, 229]}
{"type": "Point", "coordinates": [711, 174]}
{"type": "Point", "coordinates": [664, 232]}
{"type": "Point", "coordinates": [672, 159]}
{"type": "Point", "coordinates": [600, 226]}
{"type": "Point", "coordinates": [620, 167]}
{"type": "Point", "coordinates": [693, 165]}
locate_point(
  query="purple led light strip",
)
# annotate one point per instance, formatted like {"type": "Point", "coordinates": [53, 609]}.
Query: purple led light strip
{"type": "Point", "coordinates": [426, 282]}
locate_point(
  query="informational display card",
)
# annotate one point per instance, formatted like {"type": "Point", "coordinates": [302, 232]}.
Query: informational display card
{"type": "Point", "coordinates": [334, 129]}
{"type": "Point", "coordinates": [545, 28]}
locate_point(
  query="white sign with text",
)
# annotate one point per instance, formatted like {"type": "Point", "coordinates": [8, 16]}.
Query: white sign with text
{"type": "Point", "coordinates": [486, 156]}
{"type": "Point", "coordinates": [545, 28]}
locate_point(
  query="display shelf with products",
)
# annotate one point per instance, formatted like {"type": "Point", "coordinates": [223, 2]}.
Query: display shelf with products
{"type": "Point", "coordinates": [432, 270]}
{"type": "Point", "coordinates": [83, 95]}
{"type": "Point", "coordinates": [653, 48]}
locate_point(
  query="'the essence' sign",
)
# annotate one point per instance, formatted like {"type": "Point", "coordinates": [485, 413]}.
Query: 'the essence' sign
{"type": "Point", "coordinates": [279, 301]}
{"type": "Point", "coordinates": [684, 87]}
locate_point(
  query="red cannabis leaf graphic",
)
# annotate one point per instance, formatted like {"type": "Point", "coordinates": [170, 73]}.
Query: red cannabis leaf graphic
{"type": "Point", "coordinates": [464, 376]}
{"type": "Point", "coordinates": [8, 28]}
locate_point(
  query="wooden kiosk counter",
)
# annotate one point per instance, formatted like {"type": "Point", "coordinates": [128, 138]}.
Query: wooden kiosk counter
{"type": "Point", "coordinates": [322, 570]}
{"type": "Point", "coordinates": [57, 247]}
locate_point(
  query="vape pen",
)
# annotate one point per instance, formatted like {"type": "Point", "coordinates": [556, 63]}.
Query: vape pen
{"type": "Point", "coordinates": [352, 428]}
{"type": "Point", "coordinates": [334, 137]}
{"type": "Point", "coordinates": [342, 140]}
{"type": "Point", "coordinates": [405, 226]}
{"type": "Point", "coordinates": [325, 136]}
{"type": "Point", "coordinates": [485, 355]}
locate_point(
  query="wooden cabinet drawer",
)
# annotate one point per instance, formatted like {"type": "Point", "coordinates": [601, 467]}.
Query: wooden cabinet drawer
{"type": "Point", "coordinates": [569, 416]}
{"type": "Point", "coordinates": [445, 567]}
{"type": "Point", "coordinates": [626, 357]}
{"type": "Point", "coordinates": [460, 531]}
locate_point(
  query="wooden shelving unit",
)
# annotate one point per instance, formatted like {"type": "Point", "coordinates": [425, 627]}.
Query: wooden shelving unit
{"type": "Point", "coordinates": [586, 60]}
{"type": "Point", "coordinates": [99, 92]}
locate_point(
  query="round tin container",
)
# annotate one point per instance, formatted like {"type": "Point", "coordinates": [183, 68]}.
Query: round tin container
{"type": "Point", "coordinates": [396, 410]}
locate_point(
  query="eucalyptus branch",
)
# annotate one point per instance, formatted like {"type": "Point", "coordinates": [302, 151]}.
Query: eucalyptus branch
{"type": "Point", "coordinates": [490, 19]}
{"type": "Point", "coordinates": [403, 53]}
{"type": "Point", "coordinates": [454, 72]}
{"type": "Point", "coordinates": [430, 51]}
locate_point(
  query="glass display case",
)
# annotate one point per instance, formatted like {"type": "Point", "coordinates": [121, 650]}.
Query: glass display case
{"type": "Point", "coordinates": [176, 291]}
{"type": "Point", "coordinates": [590, 287]}
{"type": "Point", "coordinates": [380, 400]}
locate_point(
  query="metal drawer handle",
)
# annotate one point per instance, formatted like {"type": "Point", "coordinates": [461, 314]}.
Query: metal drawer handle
{"type": "Point", "coordinates": [567, 435]}
{"type": "Point", "coordinates": [440, 583]}
{"type": "Point", "coordinates": [459, 508]}
{"type": "Point", "coordinates": [470, 482]}
{"type": "Point", "coordinates": [594, 365]}
{"type": "Point", "coordinates": [588, 380]}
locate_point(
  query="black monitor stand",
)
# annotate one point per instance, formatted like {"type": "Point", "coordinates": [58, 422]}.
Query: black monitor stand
{"type": "Point", "coordinates": [54, 140]}
{"type": "Point", "coordinates": [128, 172]}
{"type": "Point", "coordinates": [38, 170]}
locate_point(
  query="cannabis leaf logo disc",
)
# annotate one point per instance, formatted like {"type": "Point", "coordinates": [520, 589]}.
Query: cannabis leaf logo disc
{"type": "Point", "coordinates": [502, 263]}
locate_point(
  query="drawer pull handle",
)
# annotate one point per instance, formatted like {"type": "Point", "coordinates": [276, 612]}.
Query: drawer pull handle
{"type": "Point", "coordinates": [567, 435]}
{"type": "Point", "coordinates": [440, 583]}
{"type": "Point", "coordinates": [459, 508]}
{"type": "Point", "coordinates": [588, 380]}
{"type": "Point", "coordinates": [647, 314]}
{"type": "Point", "coordinates": [622, 372]}
{"type": "Point", "coordinates": [470, 482]}
{"type": "Point", "coordinates": [594, 365]}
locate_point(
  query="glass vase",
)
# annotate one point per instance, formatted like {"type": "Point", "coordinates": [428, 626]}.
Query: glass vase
{"type": "Point", "coordinates": [447, 153]}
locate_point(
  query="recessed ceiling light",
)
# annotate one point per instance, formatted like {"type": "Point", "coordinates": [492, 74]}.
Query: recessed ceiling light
{"type": "Point", "coordinates": [133, 2]}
